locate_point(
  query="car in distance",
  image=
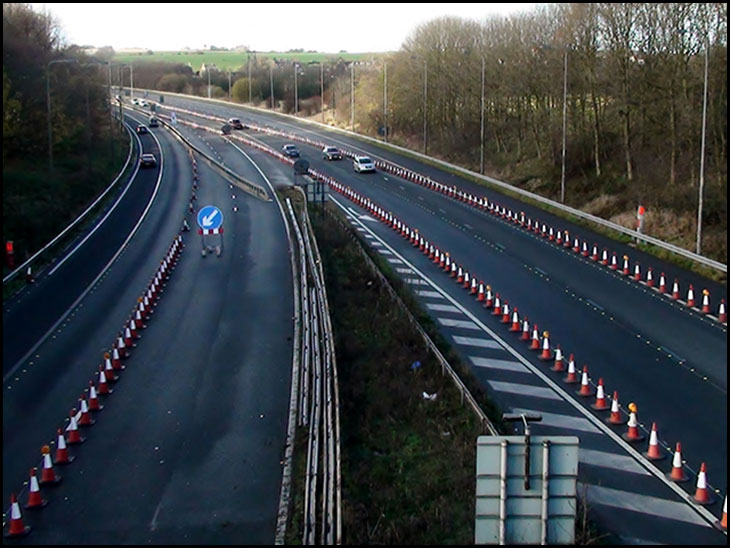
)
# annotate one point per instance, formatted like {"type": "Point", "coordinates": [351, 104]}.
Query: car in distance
{"type": "Point", "coordinates": [143, 103]}
{"type": "Point", "coordinates": [147, 160]}
{"type": "Point", "coordinates": [363, 164]}
{"type": "Point", "coordinates": [331, 153]}
{"type": "Point", "coordinates": [154, 122]}
{"type": "Point", "coordinates": [235, 123]}
{"type": "Point", "coordinates": [291, 151]}
{"type": "Point", "coordinates": [141, 130]}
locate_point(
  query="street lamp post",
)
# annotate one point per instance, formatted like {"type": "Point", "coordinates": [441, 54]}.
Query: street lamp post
{"type": "Point", "coordinates": [296, 90]}
{"type": "Point", "coordinates": [385, 101]}
{"type": "Point", "coordinates": [321, 89]}
{"type": "Point", "coordinates": [352, 96]}
{"type": "Point", "coordinates": [481, 122]}
{"type": "Point", "coordinates": [702, 153]}
{"type": "Point", "coordinates": [48, 105]}
{"type": "Point", "coordinates": [271, 78]}
{"type": "Point", "coordinates": [565, 121]}
{"type": "Point", "coordinates": [425, 107]}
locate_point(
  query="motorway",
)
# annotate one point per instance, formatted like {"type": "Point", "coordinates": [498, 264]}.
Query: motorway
{"type": "Point", "coordinates": [188, 447]}
{"type": "Point", "coordinates": [669, 360]}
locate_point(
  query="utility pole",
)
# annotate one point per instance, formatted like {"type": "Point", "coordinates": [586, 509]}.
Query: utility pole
{"type": "Point", "coordinates": [352, 96]}
{"type": "Point", "coordinates": [481, 119]}
{"type": "Point", "coordinates": [565, 120]}
{"type": "Point", "coordinates": [425, 107]}
{"type": "Point", "coordinates": [249, 80]}
{"type": "Point", "coordinates": [702, 153]}
{"type": "Point", "coordinates": [296, 91]}
{"type": "Point", "coordinates": [385, 101]}
{"type": "Point", "coordinates": [321, 89]}
{"type": "Point", "coordinates": [271, 77]}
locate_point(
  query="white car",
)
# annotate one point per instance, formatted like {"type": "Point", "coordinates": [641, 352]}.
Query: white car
{"type": "Point", "coordinates": [363, 163]}
{"type": "Point", "coordinates": [143, 103]}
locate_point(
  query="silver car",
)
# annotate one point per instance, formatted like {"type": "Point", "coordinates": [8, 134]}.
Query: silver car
{"type": "Point", "coordinates": [363, 164]}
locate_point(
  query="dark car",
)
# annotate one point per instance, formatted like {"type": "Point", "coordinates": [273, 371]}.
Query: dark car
{"type": "Point", "coordinates": [154, 122]}
{"type": "Point", "coordinates": [235, 123]}
{"type": "Point", "coordinates": [331, 153]}
{"type": "Point", "coordinates": [147, 160]}
{"type": "Point", "coordinates": [141, 130]}
{"type": "Point", "coordinates": [291, 151]}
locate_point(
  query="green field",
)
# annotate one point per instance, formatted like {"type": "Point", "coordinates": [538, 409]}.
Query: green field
{"type": "Point", "coordinates": [232, 60]}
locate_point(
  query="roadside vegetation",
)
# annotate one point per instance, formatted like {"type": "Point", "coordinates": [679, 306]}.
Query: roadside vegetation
{"type": "Point", "coordinates": [88, 149]}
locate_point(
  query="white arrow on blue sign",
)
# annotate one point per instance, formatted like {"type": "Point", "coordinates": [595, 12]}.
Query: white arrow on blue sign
{"type": "Point", "coordinates": [210, 218]}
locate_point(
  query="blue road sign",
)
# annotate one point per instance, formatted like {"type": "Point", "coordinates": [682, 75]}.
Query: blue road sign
{"type": "Point", "coordinates": [210, 218]}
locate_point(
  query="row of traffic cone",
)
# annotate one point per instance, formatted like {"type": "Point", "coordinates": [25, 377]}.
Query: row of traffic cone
{"type": "Point", "coordinates": [89, 402]}
{"type": "Point", "coordinates": [703, 494]}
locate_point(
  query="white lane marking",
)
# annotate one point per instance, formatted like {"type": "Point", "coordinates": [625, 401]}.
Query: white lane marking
{"type": "Point", "coordinates": [376, 244]}
{"type": "Point", "coordinates": [610, 460]}
{"type": "Point", "coordinates": [502, 365]}
{"type": "Point", "coordinates": [395, 261]}
{"type": "Point", "coordinates": [430, 294]}
{"type": "Point", "coordinates": [566, 422]}
{"type": "Point", "coordinates": [524, 390]}
{"type": "Point", "coordinates": [461, 324]}
{"type": "Point", "coordinates": [483, 343]}
{"type": "Point", "coordinates": [642, 504]}
{"type": "Point", "coordinates": [442, 308]}
{"type": "Point", "coordinates": [404, 270]}
{"type": "Point", "coordinates": [469, 227]}
{"type": "Point", "coordinates": [385, 252]}
{"type": "Point", "coordinates": [589, 417]}
{"type": "Point", "coordinates": [415, 281]}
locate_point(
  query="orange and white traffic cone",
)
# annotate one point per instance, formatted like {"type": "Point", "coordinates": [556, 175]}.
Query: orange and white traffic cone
{"type": "Point", "coordinates": [705, 301]}
{"type": "Point", "coordinates": [16, 529]}
{"type": "Point", "coordinates": [691, 296]}
{"type": "Point", "coordinates": [655, 451]}
{"type": "Point", "coordinates": [625, 270]}
{"type": "Point", "coordinates": [703, 495]}
{"type": "Point", "coordinates": [481, 295]}
{"type": "Point", "coordinates": [594, 254]}
{"type": "Point", "coordinates": [104, 389]}
{"type": "Point", "coordinates": [525, 330]}
{"type": "Point", "coordinates": [74, 436]}
{"type": "Point", "coordinates": [497, 310]}
{"type": "Point", "coordinates": [637, 272]}
{"type": "Point", "coordinates": [489, 298]}
{"type": "Point", "coordinates": [675, 289]}
{"type": "Point", "coordinates": [85, 419]}
{"type": "Point", "coordinates": [601, 402]}
{"type": "Point", "coordinates": [677, 474]}
{"type": "Point", "coordinates": [633, 433]}
{"type": "Point", "coordinates": [473, 288]}
{"type": "Point", "coordinates": [94, 404]}
{"type": "Point", "coordinates": [535, 343]}
{"type": "Point", "coordinates": [615, 417]}
{"type": "Point", "coordinates": [662, 283]}
{"type": "Point", "coordinates": [722, 524]}
{"type": "Point", "coordinates": [35, 500]}
{"type": "Point", "coordinates": [62, 456]}
{"type": "Point", "coordinates": [48, 474]}
{"type": "Point", "coordinates": [467, 280]}
{"type": "Point", "coordinates": [572, 377]}
{"type": "Point", "coordinates": [604, 257]}
{"type": "Point", "coordinates": [559, 365]}
{"type": "Point", "coordinates": [546, 353]}
{"type": "Point", "coordinates": [650, 277]}
{"type": "Point", "coordinates": [109, 370]}
{"type": "Point", "coordinates": [515, 322]}
{"type": "Point", "coordinates": [117, 360]}
{"type": "Point", "coordinates": [722, 312]}
{"type": "Point", "coordinates": [585, 387]}
{"type": "Point", "coordinates": [505, 313]}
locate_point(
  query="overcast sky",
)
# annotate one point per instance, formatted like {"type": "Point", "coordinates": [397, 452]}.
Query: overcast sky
{"type": "Point", "coordinates": [263, 27]}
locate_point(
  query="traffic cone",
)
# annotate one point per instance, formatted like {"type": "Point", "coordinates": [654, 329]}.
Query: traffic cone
{"type": "Point", "coordinates": [576, 246]}
{"type": "Point", "coordinates": [614, 262]}
{"type": "Point", "coordinates": [74, 436]}
{"type": "Point", "coordinates": [535, 344]}
{"type": "Point", "coordinates": [62, 456]}
{"type": "Point", "coordinates": [585, 251]}
{"type": "Point", "coordinates": [655, 451]}
{"type": "Point", "coordinates": [467, 280]}
{"type": "Point", "coordinates": [559, 365]}
{"type": "Point", "coordinates": [481, 295]}
{"type": "Point", "coordinates": [48, 475]}
{"type": "Point", "coordinates": [122, 348]}
{"type": "Point", "coordinates": [128, 340]}
{"type": "Point", "coordinates": [473, 289]}
{"type": "Point", "coordinates": [497, 306]}
{"type": "Point", "coordinates": [703, 495]}
{"type": "Point", "coordinates": [604, 258]}
{"type": "Point", "coordinates": [35, 501]}
{"type": "Point", "coordinates": [109, 370]}
{"type": "Point", "coordinates": [705, 301]}
{"type": "Point", "coordinates": [505, 313]}
{"type": "Point", "coordinates": [585, 387]}
{"type": "Point", "coordinates": [559, 238]}
{"type": "Point", "coordinates": [625, 270]}
{"type": "Point", "coordinates": [601, 403]}
{"type": "Point", "coordinates": [690, 296]}
{"type": "Point", "coordinates": [546, 353]}
{"type": "Point", "coordinates": [722, 312]}
{"type": "Point", "coordinates": [677, 474]}
{"type": "Point", "coordinates": [633, 433]}
{"type": "Point", "coordinates": [104, 389]}
{"type": "Point", "coordinates": [515, 322]}
{"type": "Point", "coordinates": [94, 404]}
{"type": "Point", "coordinates": [594, 254]}
{"type": "Point", "coordinates": [662, 284]}
{"type": "Point", "coordinates": [675, 289]}
{"type": "Point", "coordinates": [117, 360]}
{"type": "Point", "coordinates": [16, 529]}
{"type": "Point", "coordinates": [572, 378]}
{"type": "Point", "coordinates": [133, 329]}
{"type": "Point", "coordinates": [489, 298]}
{"type": "Point", "coordinates": [459, 275]}
{"type": "Point", "coordinates": [525, 330]}
{"type": "Point", "coordinates": [637, 272]}
{"type": "Point", "coordinates": [85, 419]}
{"type": "Point", "coordinates": [615, 417]}
{"type": "Point", "coordinates": [650, 277]}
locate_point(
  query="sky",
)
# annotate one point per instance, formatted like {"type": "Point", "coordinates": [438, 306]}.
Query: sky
{"type": "Point", "coordinates": [329, 28]}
